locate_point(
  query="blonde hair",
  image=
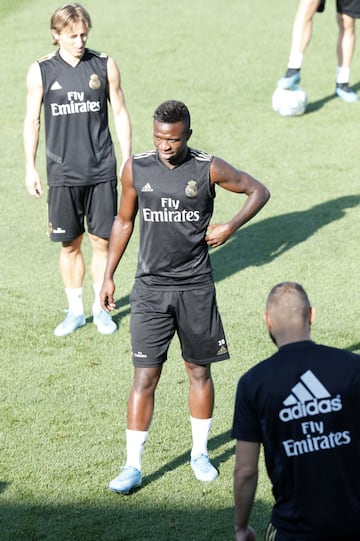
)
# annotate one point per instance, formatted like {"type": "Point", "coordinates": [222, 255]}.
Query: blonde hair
{"type": "Point", "coordinates": [68, 15]}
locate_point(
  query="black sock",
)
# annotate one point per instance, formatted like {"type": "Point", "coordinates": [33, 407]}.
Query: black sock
{"type": "Point", "coordinates": [344, 86]}
{"type": "Point", "coordinates": [292, 71]}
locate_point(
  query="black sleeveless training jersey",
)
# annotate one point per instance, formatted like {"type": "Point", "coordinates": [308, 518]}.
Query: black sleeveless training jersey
{"type": "Point", "coordinates": [79, 148]}
{"type": "Point", "coordinates": [175, 208]}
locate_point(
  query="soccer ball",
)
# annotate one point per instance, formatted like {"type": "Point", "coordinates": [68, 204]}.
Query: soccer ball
{"type": "Point", "coordinates": [289, 102]}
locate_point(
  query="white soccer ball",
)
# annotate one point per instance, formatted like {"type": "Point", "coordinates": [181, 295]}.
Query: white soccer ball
{"type": "Point", "coordinates": [289, 102]}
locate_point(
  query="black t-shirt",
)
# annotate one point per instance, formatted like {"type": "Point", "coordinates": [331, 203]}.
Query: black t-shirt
{"type": "Point", "coordinates": [79, 149]}
{"type": "Point", "coordinates": [303, 405]}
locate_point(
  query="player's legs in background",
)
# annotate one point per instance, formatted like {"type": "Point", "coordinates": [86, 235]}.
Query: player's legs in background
{"type": "Point", "coordinates": [345, 50]}
{"type": "Point", "coordinates": [99, 258]}
{"type": "Point", "coordinates": [72, 270]}
{"type": "Point", "coordinates": [302, 26]}
{"type": "Point", "coordinates": [300, 39]}
{"type": "Point", "coordinates": [102, 319]}
{"type": "Point", "coordinates": [72, 266]}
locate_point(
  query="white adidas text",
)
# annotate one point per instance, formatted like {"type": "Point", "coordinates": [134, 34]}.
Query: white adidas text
{"type": "Point", "coordinates": [311, 407]}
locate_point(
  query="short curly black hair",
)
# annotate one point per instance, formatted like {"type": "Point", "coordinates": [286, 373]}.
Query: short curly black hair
{"type": "Point", "coordinates": [173, 111]}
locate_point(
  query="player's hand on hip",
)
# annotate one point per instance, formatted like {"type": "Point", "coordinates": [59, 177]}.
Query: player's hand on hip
{"type": "Point", "coordinates": [217, 234]}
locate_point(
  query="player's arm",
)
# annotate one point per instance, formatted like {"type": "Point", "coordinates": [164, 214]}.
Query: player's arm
{"type": "Point", "coordinates": [245, 483]}
{"type": "Point", "coordinates": [120, 235]}
{"type": "Point", "coordinates": [34, 96]}
{"type": "Point", "coordinates": [120, 112]}
{"type": "Point", "coordinates": [235, 180]}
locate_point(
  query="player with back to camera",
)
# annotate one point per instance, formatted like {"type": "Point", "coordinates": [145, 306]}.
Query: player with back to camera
{"type": "Point", "coordinates": [347, 12]}
{"type": "Point", "coordinates": [303, 405]}
{"type": "Point", "coordinates": [74, 84]}
{"type": "Point", "coordinates": [172, 188]}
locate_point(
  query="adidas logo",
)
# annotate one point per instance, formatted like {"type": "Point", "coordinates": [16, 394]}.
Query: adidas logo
{"type": "Point", "coordinates": [221, 350]}
{"type": "Point", "coordinates": [308, 397]}
{"type": "Point", "coordinates": [59, 230]}
{"type": "Point", "coordinates": [147, 188]}
{"type": "Point", "coordinates": [307, 389]}
{"type": "Point", "coordinates": [56, 86]}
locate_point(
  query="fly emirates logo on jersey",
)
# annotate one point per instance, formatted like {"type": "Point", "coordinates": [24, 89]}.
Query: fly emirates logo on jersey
{"type": "Point", "coordinates": [76, 104]}
{"type": "Point", "coordinates": [309, 398]}
{"type": "Point", "coordinates": [170, 212]}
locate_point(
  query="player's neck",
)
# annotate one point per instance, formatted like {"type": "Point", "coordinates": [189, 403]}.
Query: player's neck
{"type": "Point", "coordinates": [289, 338]}
{"type": "Point", "coordinates": [69, 58]}
{"type": "Point", "coordinates": [173, 162]}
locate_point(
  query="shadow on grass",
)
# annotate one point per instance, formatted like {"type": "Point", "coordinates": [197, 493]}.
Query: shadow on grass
{"type": "Point", "coordinates": [214, 443]}
{"type": "Point", "coordinates": [123, 309]}
{"type": "Point", "coordinates": [355, 348]}
{"type": "Point", "coordinates": [264, 241]}
{"type": "Point", "coordinates": [3, 487]}
{"type": "Point", "coordinates": [141, 515]}
{"type": "Point", "coordinates": [314, 106]}
{"type": "Point", "coordinates": [118, 519]}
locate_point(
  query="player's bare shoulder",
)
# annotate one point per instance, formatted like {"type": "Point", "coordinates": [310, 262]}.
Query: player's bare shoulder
{"type": "Point", "coordinates": [220, 170]}
{"type": "Point", "coordinates": [33, 77]}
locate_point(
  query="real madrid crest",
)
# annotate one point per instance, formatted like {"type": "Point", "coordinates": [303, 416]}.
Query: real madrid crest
{"type": "Point", "coordinates": [191, 188]}
{"type": "Point", "coordinates": [94, 82]}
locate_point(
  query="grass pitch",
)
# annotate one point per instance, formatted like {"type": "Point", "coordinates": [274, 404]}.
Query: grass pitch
{"type": "Point", "coordinates": [63, 401]}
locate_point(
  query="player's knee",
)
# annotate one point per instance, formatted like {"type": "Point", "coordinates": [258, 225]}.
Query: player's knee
{"type": "Point", "coordinates": [146, 379]}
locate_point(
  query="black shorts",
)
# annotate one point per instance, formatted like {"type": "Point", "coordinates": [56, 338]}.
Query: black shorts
{"type": "Point", "coordinates": [69, 205]}
{"type": "Point", "coordinates": [192, 314]}
{"type": "Point", "coordinates": [349, 7]}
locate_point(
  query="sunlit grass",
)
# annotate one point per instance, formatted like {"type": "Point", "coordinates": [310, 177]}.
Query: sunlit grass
{"type": "Point", "coordinates": [63, 401]}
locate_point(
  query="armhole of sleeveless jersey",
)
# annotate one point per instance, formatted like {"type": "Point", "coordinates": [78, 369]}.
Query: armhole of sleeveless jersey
{"type": "Point", "coordinates": [212, 187]}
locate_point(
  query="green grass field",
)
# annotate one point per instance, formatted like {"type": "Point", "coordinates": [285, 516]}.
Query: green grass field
{"type": "Point", "coordinates": [63, 401]}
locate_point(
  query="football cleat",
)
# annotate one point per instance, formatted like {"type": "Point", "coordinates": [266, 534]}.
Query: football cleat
{"type": "Point", "coordinates": [104, 323]}
{"type": "Point", "coordinates": [70, 324]}
{"type": "Point", "coordinates": [126, 481]}
{"type": "Point", "coordinates": [345, 93]}
{"type": "Point", "coordinates": [203, 469]}
{"type": "Point", "coordinates": [289, 81]}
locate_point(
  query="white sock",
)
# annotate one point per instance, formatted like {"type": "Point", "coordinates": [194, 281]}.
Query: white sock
{"type": "Point", "coordinates": [295, 60]}
{"type": "Point", "coordinates": [342, 74]}
{"type": "Point", "coordinates": [135, 441]}
{"type": "Point", "coordinates": [74, 297]}
{"type": "Point", "coordinates": [200, 429]}
{"type": "Point", "coordinates": [96, 307]}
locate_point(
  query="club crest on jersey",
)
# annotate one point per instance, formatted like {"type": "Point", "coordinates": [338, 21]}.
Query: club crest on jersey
{"type": "Point", "coordinates": [94, 82]}
{"type": "Point", "coordinates": [191, 188]}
